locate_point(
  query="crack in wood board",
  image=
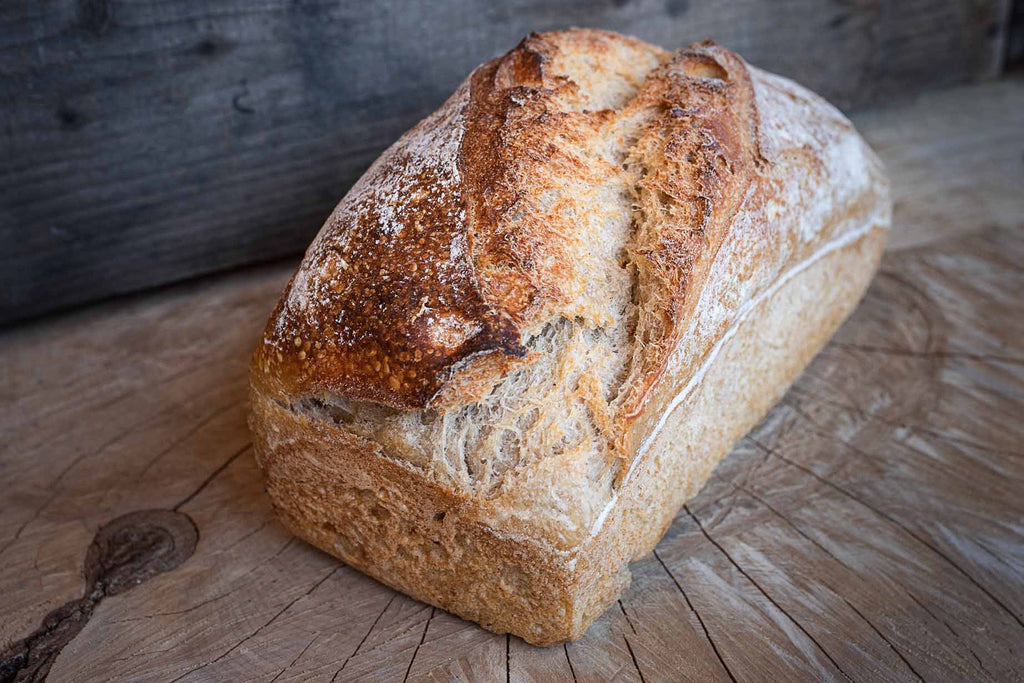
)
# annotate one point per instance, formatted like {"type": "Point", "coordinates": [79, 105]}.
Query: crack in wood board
{"type": "Point", "coordinates": [420, 644]}
{"type": "Point", "coordinates": [700, 620]}
{"type": "Point", "coordinates": [297, 657]}
{"type": "Point", "coordinates": [628, 620]}
{"type": "Point", "coordinates": [365, 636]}
{"type": "Point", "coordinates": [770, 599]}
{"type": "Point", "coordinates": [213, 475]}
{"type": "Point", "coordinates": [258, 630]}
{"type": "Point", "coordinates": [901, 526]}
{"type": "Point", "coordinates": [568, 659]}
{"type": "Point", "coordinates": [633, 657]}
{"type": "Point", "coordinates": [186, 436]}
{"type": "Point", "coordinates": [883, 637]}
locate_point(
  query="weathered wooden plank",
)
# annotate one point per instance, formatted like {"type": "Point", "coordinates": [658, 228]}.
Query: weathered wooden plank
{"type": "Point", "coordinates": [871, 526]}
{"type": "Point", "coordinates": [955, 162]}
{"type": "Point", "coordinates": [142, 143]}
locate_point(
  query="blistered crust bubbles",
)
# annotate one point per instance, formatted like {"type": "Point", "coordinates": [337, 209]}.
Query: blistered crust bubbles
{"type": "Point", "coordinates": [385, 304]}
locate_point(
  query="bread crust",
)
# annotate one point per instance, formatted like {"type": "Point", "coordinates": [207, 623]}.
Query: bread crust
{"type": "Point", "coordinates": [758, 218]}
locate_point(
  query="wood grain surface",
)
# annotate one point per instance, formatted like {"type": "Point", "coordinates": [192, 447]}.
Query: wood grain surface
{"type": "Point", "coordinates": [870, 528]}
{"type": "Point", "coordinates": [955, 159]}
{"type": "Point", "coordinates": [147, 142]}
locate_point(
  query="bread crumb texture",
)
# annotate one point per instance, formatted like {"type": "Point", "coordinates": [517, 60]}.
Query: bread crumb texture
{"type": "Point", "coordinates": [489, 331]}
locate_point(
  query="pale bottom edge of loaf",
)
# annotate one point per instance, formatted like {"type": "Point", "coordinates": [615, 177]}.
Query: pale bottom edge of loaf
{"type": "Point", "coordinates": [339, 493]}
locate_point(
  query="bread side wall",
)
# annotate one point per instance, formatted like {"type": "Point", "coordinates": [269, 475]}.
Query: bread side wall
{"type": "Point", "coordinates": [339, 493]}
{"type": "Point", "coordinates": [752, 371]}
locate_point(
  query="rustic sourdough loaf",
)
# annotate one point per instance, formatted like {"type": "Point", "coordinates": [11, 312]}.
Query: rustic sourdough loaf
{"type": "Point", "coordinates": [529, 332]}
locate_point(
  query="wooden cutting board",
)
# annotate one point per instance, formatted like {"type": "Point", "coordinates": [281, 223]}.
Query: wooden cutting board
{"type": "Point", "coordinates": [871, 527]}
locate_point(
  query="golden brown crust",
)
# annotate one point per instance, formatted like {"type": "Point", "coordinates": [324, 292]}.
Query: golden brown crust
{"type": "Point", "coordinates": [387, 301]}
{"type": "Point", "coordinates": [642, 231]}
{"type": "Point", "coordinates": [449, 268]}
{"type": "Point", "coordinates": [526, 125]}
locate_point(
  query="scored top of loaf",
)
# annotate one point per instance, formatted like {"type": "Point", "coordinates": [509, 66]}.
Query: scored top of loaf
{"type": "Point", "coordinates": [487, 220]}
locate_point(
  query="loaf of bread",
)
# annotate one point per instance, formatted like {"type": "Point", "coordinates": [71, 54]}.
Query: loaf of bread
{"type": "Point", "coordinates": [529, 332]}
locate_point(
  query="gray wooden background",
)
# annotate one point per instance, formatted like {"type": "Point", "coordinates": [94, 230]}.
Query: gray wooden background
{"type": "Point", "coordinates": [148, 142]}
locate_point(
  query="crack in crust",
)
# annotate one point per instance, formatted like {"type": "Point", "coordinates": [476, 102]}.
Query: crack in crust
{"type": "Point", "coordinates": [696, 161]}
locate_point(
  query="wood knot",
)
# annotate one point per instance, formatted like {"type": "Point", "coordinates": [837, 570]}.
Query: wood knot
{"type": "Point", "coordinates": [124, 553]}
